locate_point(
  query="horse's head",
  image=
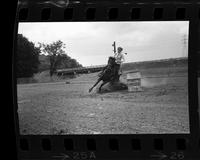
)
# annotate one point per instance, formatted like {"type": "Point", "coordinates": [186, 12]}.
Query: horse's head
{"type": "Point", "coordinates": [111, 61]}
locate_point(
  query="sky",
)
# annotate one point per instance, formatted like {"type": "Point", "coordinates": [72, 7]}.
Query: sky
{"type": "Point", "coordinates": [90, 43]}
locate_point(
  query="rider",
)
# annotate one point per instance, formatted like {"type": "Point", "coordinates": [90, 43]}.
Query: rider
{"type": "Point", "coordinates": [119, 59]}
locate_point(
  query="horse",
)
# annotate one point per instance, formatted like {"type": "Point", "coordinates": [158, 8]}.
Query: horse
{"type": "Point", "coordinates": [108, 74]}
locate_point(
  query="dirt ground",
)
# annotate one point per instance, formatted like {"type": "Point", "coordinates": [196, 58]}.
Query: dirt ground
{"type": "Point", "coordinates": [68, 108]}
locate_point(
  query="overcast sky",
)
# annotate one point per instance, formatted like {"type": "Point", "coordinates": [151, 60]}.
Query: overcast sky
{"type": "Point", "coordinates": [90, 43]}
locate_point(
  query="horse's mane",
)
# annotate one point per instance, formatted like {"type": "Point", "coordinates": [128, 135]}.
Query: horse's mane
{"type": "Point", "coordinates": [108, 67]}
{"type": "Point", "coordinates": [111, 61]}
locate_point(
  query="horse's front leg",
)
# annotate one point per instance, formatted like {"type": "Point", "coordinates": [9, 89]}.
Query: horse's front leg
{"type": "Point", "coordinates": [95, 84]}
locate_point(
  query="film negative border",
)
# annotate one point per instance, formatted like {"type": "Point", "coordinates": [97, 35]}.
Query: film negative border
{"type": "Point", "coordinates": [105, 12]}
{"type": "Point", "coordinates": [112, 147]}
{"type": "Point", "coordinates": [78, 147]}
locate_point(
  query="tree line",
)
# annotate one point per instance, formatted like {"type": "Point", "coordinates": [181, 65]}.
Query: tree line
{"type": "Point", "coordinates": [28, 57]}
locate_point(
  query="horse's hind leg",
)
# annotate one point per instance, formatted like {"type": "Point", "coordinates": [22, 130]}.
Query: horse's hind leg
{"type": "Point", "coordinates": [94, 85]}
{"type": "Point", "coordinates": [104, 82]}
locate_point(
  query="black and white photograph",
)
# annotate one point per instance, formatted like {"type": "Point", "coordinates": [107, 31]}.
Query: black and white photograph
{"type": "Point", "coordinates": [85, 78]}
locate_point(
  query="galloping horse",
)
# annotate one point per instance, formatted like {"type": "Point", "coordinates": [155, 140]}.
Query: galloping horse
{"type": "Point", "coordinates": [108, 74]}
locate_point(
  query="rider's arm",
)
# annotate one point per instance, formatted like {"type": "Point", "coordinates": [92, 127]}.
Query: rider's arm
{"type": "Point", "coordinates": [115, 54]}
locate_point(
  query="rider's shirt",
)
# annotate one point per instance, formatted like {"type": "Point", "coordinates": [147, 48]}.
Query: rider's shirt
{"type": "Point", "coordinates": [119, 58]}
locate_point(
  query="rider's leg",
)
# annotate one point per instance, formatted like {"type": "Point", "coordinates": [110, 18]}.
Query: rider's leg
{"type": "Point", "coordinates": [120, 69]}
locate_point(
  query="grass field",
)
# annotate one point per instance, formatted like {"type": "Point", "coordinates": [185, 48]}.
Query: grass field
{"type": "Point", "coordinates": [68, 108]}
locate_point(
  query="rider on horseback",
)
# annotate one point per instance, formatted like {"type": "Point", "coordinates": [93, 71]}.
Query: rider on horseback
{"type": "Point", "coordinates": [110, 72]}
{"type": "Point", "coordinates": [119, 59]}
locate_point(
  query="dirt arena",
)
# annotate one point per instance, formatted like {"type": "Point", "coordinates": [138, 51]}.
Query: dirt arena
{"type": "Point", "coordinates": [60, 108]}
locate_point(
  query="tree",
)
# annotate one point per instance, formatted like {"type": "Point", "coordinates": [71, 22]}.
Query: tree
{"type": "Point", "coordinates": [27, 58]}
{"type": "Point", "coordinates": [54, 51]}
{"type": "Point", "coordinates": [57, 56]}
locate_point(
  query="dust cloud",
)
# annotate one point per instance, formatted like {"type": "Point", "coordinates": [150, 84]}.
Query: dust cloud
{"type": "Point", "coordinates": [152, 82]}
